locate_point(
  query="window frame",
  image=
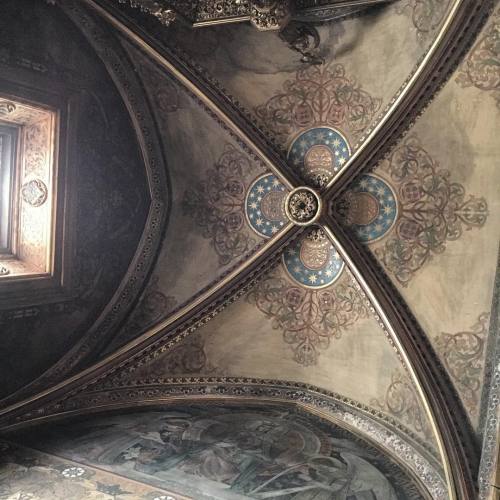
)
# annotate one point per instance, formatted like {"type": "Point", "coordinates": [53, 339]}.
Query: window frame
{"type": "Point", "coordinates": [57, 283]}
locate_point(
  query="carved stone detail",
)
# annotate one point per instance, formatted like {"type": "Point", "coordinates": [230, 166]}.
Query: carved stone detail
{"type": "Point", "coordinates": [165, 15]}
{"type": "Point", "coordinates": [34, 192]}
{"type": "Point", "coordinates": [303, 206]}
{"type": "Point", "coordinates": [6, 108]}
{"type": "Point", "coordinates": [267, 15]}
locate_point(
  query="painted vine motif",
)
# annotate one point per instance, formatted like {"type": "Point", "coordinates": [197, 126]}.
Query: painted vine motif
{"type": "Point", "coordinates": [309, 319]}
{"type": "Point", "coordinates": [402, 402]}
{"type": "Point", "coordinates": [426, 15]}
{"type": "Point", "coordinates": [189, 357]}
{"type": "Point", "coordinates": [463, 356]}
{"type": "Point", "coordinates": [481, 69]}
{"type": "Point", "coordinates": [433, 210]}
{"type": "Point", "coordinates": [217, 205]}
{"type": "Point", "coordinates": [319, 96]}
{"type": "Point", "coordinates": [153, 306]}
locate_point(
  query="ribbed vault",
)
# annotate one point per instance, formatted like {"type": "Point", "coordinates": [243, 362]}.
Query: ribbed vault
{"type": "Point", "coordinates": [251, 271]}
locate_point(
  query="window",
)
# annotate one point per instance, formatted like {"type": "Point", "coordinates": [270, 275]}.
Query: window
{"type": "Point", "coordinates": [8, 150]}
{"type": "Point", "coordinates": [27, 190]}
{"type": "Point", "coordinates": [38, 152]}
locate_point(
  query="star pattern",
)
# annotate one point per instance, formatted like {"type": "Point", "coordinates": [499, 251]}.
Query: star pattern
{"type": "Point", "coordinates": [387, 208]}
{"type": "Point", "coordinates": [256, 216]}
{"type": "Point", "coordinates": [334, 144]}
{"type": "Point", "coordinates": [312, 278]}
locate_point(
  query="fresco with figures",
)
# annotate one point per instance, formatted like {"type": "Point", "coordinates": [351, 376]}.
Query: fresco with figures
{"type": "Point", "coordinates": [213, 452]}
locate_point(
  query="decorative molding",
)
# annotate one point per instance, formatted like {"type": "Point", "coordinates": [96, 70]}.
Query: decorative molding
{"type": "Point", "coordinates": [489, 424]}
{"type": "Point", "coordinates": [264, 15]}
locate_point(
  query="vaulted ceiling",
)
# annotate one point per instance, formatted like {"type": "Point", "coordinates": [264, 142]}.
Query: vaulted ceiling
{"type": "Point", "coordinates": [200, 278]}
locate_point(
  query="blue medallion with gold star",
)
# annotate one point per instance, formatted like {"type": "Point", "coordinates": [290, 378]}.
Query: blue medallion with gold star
{"type": "Point", "coordinates": [265, 205]}
{"type": "Point", "coordinates": [372, 208]}
{"type": "Point", "coordinates": [319, 153]}
{"type": "Point", "coordinates": [312, 261]}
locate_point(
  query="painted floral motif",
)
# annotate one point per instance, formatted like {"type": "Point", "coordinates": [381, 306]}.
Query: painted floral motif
{"type": "Point", "coordinates": [481, 69]}
{"type": "Point", "coordinates": [73, 472]}
{"type": "Point", "coordinates": [217, 205]}
{"type": "Point", "coordinates": [318, 96]}
{"type": "Point", "coordinates": [29, 475]}
{"type": "Point", "coordinates": [433, 210]}
{"type": "Point", "coordinates": [402, 402]}
{"type": "Point", "coordinates": [189, 357]}
{"type": "Point", "coordinates": [426, 15]}
{"type": "Point", "coordinates": [463, 356]}
{"type": "Point", "coordinates": [309, 318]}
{"type": "Point", "coordinates": [153, 306]}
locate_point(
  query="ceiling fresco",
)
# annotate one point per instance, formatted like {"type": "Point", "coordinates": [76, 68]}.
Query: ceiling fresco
{"type": "Point", "coordinates": [234, 453]}
{"type": "Point", "coordinates": [207, 233]}
{"type": "Point", "coordinates": [349, 91]}
{"type": "Point", "coordinates": [446, 182]}
{"type": "Point", "coordinates": [287, 253]}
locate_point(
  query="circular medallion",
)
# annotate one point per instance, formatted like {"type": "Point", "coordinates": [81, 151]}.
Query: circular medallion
{"type": "Point", "coordinates": [312, 261]}
{"type": "Point", "coordinates": [370, 206]}
{"type": "Point", "coordinates": [34, 192]}
{"type": "Point", "coordinates": [265, 205]}
{"type": "Point", "coordinates": [319, 153]}
{"type": "Point", "coordinates": [303, 206]}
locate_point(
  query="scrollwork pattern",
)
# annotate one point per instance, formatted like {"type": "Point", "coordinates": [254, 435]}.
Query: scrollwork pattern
{"type": "Point", "coordinates": [402, 402]}
{"type": "Point", "coordinates": [463, 356]}
{"type": "Point", "coordinates": [319, 96]}
{"type": "Point", "coordinates": [309, 319]}
{"type": "Point", "coordinates": [426, 15]}
{"type": "Point", "coordinates": [217, 205]}
{"type": "Point", "coordinates": [433, 210]}
{"type": "Point", "coordinates": [481, 69]}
